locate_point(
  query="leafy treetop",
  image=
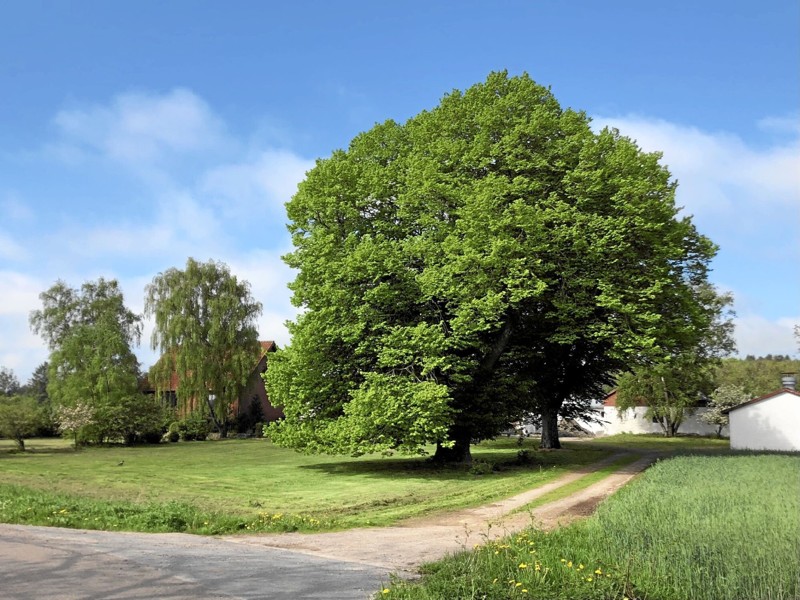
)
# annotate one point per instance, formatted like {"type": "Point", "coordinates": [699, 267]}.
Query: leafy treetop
{"type": "Point", "coordinates": [490, 257]}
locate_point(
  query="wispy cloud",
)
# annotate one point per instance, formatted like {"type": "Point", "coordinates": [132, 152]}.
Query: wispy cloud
{"type": "Point", "coordinates": [203, 193]}
{"type": "Point", "coordinates": [718, 172]}
{"type": "Point", "coordinates": [746, 197]}
{"type": "Point", "coordinates": [142, 128]}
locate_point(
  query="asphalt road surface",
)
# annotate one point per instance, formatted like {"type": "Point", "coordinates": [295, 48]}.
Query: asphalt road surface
{"type": "Point", "coordinates": [66, 564]}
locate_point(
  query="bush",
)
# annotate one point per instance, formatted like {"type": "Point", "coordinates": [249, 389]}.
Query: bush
{"type": "Point", "coordinates": [194, 426]}
{"type": "Point", "coordinates": [481, 467]}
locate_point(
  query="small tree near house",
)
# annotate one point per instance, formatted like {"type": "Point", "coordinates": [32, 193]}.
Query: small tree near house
{"type": "Point", "coordinates": [723, 398]}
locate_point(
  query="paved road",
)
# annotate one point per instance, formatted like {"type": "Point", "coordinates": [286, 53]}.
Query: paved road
{"type": "Point", "coordinates": [44, 562]}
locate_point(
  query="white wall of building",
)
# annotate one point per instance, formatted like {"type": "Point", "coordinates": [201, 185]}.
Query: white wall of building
{"type": "Point", "coordinates": [633, 420]}
{"type": "Point", "coordinates": [770, 424]}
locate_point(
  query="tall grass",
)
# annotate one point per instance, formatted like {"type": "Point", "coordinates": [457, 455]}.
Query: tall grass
{"type": "Point", "coordinates": [692, 528]}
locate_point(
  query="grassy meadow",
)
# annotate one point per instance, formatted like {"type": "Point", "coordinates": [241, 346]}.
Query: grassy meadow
{"type": "Point", "coordinates": [252, 485]}
{"type": "Point", "coordinates": [691, 528]}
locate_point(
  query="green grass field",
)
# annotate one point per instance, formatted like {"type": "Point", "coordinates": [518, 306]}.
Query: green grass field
{"type": "Point", "coordinates": [234, 485]}
{"type": "Point", "coordinates": [691, 528]}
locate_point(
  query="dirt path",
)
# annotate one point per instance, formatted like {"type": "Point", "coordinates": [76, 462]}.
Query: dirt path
{"type": "Point", "coordinates": [403, 547]}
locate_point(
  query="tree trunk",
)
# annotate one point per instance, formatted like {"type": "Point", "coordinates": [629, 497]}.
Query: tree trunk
{"type": "Point", "coordinates": [214, 418]}
{"type": "Point", "coordinates": [550, 439]}
{"type": "Point", "coordinates": [459, 453]}
{"type": "Point", "coordinates": [20, 444]}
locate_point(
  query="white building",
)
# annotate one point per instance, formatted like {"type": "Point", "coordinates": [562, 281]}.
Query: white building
{"type": "Point", "coordinates": [771, 422]}
{"type": "Point", "coordinates": [635, 420]}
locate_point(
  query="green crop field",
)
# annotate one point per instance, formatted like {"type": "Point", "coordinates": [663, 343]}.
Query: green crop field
{"type": "Point", "coordinates": [252, 485]}
{"type": "Point", "coordinates": [691, 528]}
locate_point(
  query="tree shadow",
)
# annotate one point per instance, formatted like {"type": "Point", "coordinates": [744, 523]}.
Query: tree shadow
{"type": "Point", "coordinates": [15, 453]}
{"type": "Point", "coordinates": [486, 463]}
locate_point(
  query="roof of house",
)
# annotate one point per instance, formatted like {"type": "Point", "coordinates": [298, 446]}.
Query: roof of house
{"type": "Point", "coordinates": [762, 398]}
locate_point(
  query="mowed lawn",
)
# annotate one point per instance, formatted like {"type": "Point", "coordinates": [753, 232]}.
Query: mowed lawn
{"type": "Point", "coordinates": [214, 487]}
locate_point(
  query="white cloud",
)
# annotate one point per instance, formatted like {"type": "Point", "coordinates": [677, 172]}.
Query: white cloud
{"type": "Point", "coordinates": [269, 180]}
{"type": "Point", "coordinates": [141, 128]}
{"type": "Point", "coordinates": [718, 173]}
{"type": "Point", "coordinates": [10, 249]}
{"type": "Point", "coordinates": [759, 336]}
{"type": "Point", "coordinates": [12, 208]}
{"type": "Point", "coordinates": [20, 349]}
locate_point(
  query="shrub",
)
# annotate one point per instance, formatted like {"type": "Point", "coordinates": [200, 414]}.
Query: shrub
{"type": "Point", "coordinates": [194, 426]}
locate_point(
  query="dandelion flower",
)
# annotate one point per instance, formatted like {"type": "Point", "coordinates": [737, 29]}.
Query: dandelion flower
{"type": "Point", "coordinates": [385, 591]}
{"type": "Point", "coordinates": [523, 565]}
{"type": "Point", "coordinates": [598, 572]}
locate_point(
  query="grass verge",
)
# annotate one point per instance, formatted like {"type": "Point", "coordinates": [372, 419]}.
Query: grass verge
{"type": "Point", "coordinates": [691, 528]}
{"type": "Point", "coordinates": [251, 485]}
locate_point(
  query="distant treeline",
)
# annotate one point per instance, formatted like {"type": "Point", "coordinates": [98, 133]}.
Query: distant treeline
{"type": "Point", "coordinates": [758, 375]}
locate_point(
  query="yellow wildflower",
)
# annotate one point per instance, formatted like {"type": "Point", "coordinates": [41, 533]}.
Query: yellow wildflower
{"type": "Point", "coordinates": [598, 572]}
{"type": "Point", "coordinates": [523, 565]}
{"type": "Point", "coordinates": [385, 591]}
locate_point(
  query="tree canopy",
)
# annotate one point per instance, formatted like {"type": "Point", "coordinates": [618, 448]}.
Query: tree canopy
{"type": "Point", "coordinates": [490, 257]}
{"type": "Point", "coordinates": [9, 384]}
{"type": "Point", "coordinates": [205, 328]}
{"type": "Point", "coordinates": [679, 381]}
{"type": "Point", "coordinates": [90, 332]}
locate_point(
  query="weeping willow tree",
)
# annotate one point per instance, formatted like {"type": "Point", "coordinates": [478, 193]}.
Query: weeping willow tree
{"type": "Point", "coordinates": [205, 329]}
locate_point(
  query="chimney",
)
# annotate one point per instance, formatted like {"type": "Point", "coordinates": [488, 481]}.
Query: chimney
{"type": "Point", "coordinates": [789, 381]}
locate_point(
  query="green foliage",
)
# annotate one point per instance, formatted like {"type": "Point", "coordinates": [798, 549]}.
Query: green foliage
{"type": "Point", "coordinates": [37, 384]}
{"type": "Point", "coordinates": [723, 398]}
{"type": "Point", "coordinates": [490, 257]}
{"type": "Point", "coordinates": [205, 329]}
{"type": "Point", "coordinates": [193, 427]}
{"type": "Point", "coordinates": [9, 384]}
{"type": "Point", "coordinates": [682, 531]}
{"type": "Point", "coordinates": [20, 418]}
{"type": "Point", "coordinates": [678, 382]}
{"type": "Point", "coordinates": [757, 376]}
{"type": "Point", "coordinates": [90, 333]}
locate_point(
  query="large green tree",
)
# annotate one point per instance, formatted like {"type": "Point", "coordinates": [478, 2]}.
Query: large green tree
{"type": "Point", "coordinates": [490, 257]}
{"type": "Point", "coordinates": [90, 333]}
{"type": "Point", "coordinates": [205, 328]}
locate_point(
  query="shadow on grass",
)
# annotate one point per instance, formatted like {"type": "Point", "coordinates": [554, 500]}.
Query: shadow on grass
{"type": "Point", "coordinates": [16, 453]}
{"type": "Point", "coordinates": [486, 463]}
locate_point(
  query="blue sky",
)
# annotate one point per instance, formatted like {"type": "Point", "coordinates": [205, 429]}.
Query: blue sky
{"type": "Point", "coordinates": [136, 134]}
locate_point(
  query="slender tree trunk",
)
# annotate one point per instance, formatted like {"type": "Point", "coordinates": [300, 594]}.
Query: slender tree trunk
{"type": "Point", "coordinates": [550, 439]}
{"type": "Point", "coordinates": [214, 418]}
{"type": "Point", "coordinates": [20, 444]}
